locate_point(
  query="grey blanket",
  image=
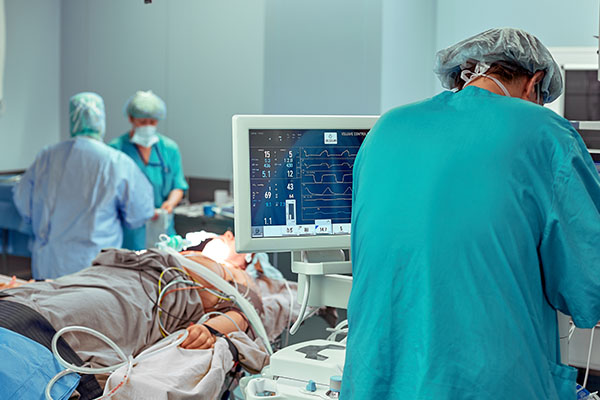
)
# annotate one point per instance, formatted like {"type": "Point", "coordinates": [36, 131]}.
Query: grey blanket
{"type": "Point", "coordinates": [120, 289]}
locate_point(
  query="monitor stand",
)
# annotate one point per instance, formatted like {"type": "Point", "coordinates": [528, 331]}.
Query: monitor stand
{"type": "Point", "coordinates": [326, 276]}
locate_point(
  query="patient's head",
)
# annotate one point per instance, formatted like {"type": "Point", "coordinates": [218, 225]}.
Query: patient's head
{"type": "Point", "coordinates": [222, 249]}
{"type": "Point", "coordinates": [228, 271]}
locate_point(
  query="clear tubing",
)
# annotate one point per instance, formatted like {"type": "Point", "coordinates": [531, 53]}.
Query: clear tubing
{"type": "Point", "coordinates": [287, 332]}
{"type": "Point", "coordinates": [300, 318]}
{"type": "Point", "coordinates": [207, 316]}
{"type": "Point", "coordinates": [71, 368]}
{"type": "Point", "coordinates": [587, 368]}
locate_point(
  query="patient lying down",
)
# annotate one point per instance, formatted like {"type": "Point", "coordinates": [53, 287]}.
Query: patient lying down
{"type": "Point", "coordinates": [119, 296]}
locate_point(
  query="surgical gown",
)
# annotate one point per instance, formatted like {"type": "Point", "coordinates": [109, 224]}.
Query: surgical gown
{"type": "Point", "coordinates": [77, 195]}
{"type": "Point", "coordinates": [475, 216]}
{"type": "Point", "coordinates": [165, 173]}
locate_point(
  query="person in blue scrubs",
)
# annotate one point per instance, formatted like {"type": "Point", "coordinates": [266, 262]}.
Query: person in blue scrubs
{"type": "Point", "coordinates": [476, 216]}
{"type": "Point", "coordinates": [157, 156]}
{"type": "Point", "coordinates": [79, 194]}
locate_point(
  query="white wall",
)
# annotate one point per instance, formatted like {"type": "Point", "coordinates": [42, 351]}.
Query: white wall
{"type": "Point", "coordinates": [204, 58]}
{"type": "Point", "coordinates": [408, 46]}
{"type": "Point", "coordinates": [554, 22]}
{"type": "Point", "coordinates": [322, 57]}
{"type": "Point", "coordinates": [30, 118]}
{"type": "Point", "coordinates": [211, 59]}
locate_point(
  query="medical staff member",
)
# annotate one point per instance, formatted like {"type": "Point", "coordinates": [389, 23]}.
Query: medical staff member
{"type": "Point", "coordinates": [78, 195]}
{"type": "Point", "coordinates": [476, 215]}
{"type": "Point", "coordinates": [156, 155]}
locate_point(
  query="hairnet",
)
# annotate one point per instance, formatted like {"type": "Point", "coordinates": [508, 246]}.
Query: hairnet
{"type": "Point", "coordinates": [145, 105]}
{"type": "Point", "coordinates": [501, 44]}
{"type": "Point", "coordinates": [86, 115]}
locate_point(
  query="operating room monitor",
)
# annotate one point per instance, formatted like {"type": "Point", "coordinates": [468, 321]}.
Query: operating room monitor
{"type": "Point", "coordinates": [293, 180]}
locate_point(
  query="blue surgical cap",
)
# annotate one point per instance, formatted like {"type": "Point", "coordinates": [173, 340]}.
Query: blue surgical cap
{"type": "Point", "coordinates": [145, 105]}
{"type": "Point", "coordinates": [500, 45]}
{"type": "Point", "coordinates": [86, 115]}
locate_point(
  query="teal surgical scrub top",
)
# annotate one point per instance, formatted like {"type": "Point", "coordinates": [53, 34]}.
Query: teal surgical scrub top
{"type": "Point", "coordinates": [165, 173]}
{"type": "Point", "coordinates": [474, 217]}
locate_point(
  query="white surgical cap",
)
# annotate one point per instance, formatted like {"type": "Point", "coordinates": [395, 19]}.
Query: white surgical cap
{"type": "Point", "coordinates": [500, 45]}
{"type": "Point", "coordinates": [86, 115]}
{"type": "Point", "coordinates": [146, 105]}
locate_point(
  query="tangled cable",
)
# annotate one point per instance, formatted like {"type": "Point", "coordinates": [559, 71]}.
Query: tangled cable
{"type": "Point", "coordinates": [171, 341]}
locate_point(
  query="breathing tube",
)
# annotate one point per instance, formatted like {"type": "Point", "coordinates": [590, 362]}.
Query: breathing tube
{"type": "Point", "coordinates": [222, 285]}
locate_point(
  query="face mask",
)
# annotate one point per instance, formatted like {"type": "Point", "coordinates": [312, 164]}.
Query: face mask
{"type": "Point", "coordinates": [145, 135]}
{"type": "Point", "coordinates": [480, 70]}
{"type": "Point", "coordinates": [217, 250]}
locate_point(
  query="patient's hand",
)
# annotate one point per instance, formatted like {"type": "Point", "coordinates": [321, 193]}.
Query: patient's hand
{"type": "Point", "coordinates": [13, 283]}
{"type": "Point", "coordinates": [199, 337]}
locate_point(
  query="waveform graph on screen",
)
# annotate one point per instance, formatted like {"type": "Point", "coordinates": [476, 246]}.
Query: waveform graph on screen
{"type": "Point", "coordinates": [327, 182]}
{"type": "Point", "coordinates": [301, 180]}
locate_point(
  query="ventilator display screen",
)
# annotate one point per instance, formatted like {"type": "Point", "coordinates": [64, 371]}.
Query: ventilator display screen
{"type": "Point", "coordinates": [301, 181]}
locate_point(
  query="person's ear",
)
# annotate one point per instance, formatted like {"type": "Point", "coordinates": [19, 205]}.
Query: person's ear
{"type": "Point", "coordinates": [228, 235]}
{"type": "Point", "coordinates": [529, 91]}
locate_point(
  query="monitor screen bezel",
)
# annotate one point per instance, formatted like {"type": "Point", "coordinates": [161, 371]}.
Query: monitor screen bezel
{"type": "Point", "coordinates": [241, 126]}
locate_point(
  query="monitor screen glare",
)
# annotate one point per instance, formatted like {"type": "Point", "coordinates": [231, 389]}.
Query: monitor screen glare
{"type": "Point", "coordinates": [301, 181]}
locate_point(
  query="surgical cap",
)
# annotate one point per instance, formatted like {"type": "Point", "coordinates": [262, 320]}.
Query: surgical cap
{"type": "Point", "coordinates": [500, 45]}
{"type": "Point", "coordinates": [145, 105]}
{"type": "Point", "coordinates": [86, 115]}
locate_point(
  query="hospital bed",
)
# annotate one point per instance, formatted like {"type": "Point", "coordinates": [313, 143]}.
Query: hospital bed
{"type": "Point", "coordinates": [276, 302]}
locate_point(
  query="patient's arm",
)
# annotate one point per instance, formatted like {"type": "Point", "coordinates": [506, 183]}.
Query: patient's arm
{"type": "Point", "coordinates": [199, 337]}
{"type": "Point", "coordinates": [14, 282]}
{"type": "Point", "coordinates": [224, 325]}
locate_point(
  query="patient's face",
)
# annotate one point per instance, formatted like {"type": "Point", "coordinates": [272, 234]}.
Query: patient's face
{"type": "Point", "coordinates": [222, 249]}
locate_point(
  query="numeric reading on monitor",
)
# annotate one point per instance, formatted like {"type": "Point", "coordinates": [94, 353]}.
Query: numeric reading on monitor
{"type": "Point", "coordinates": [301, 181]}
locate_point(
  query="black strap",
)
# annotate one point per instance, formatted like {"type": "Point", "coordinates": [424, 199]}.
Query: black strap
{"type": "Point", "coordinates": [234, 351]}
{"type": "Point", "coordinates": [27, 322]}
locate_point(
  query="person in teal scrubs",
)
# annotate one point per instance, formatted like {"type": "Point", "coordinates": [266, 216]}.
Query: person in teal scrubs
{"type": "Point", "coordinates": [157, 156]}
{"type": "Point", "coordinates": [476, 215]}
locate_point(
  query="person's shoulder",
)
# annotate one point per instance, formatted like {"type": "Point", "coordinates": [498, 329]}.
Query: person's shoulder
{"type": "Point", "coordinates": [54, 150]}
{"type": "Point", "coordinates": [119, 141]}
{"type": "Point", "coordinates": [416, 108]}
{"type": "Point", "coordinates": [167, 142]}
{"type": "Point", "coordinates": [117, 157]}
{"type": "Point", "coordinates": [545, 121]}
{"type": "Point", "coordinates": [101, 150]}
{"type": "Point", "coordinates": [63, 144]}
{"type": "Point", "coordinates": [121, 164]}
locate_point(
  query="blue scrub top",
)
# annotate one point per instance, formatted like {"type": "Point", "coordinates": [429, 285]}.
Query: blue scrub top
{"type": "Point", "coordinates": [165, 173]}
{"type": "Point", "coordinates": [474, 217]}
{"type": "Point", "coordinates": [78, 196]}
